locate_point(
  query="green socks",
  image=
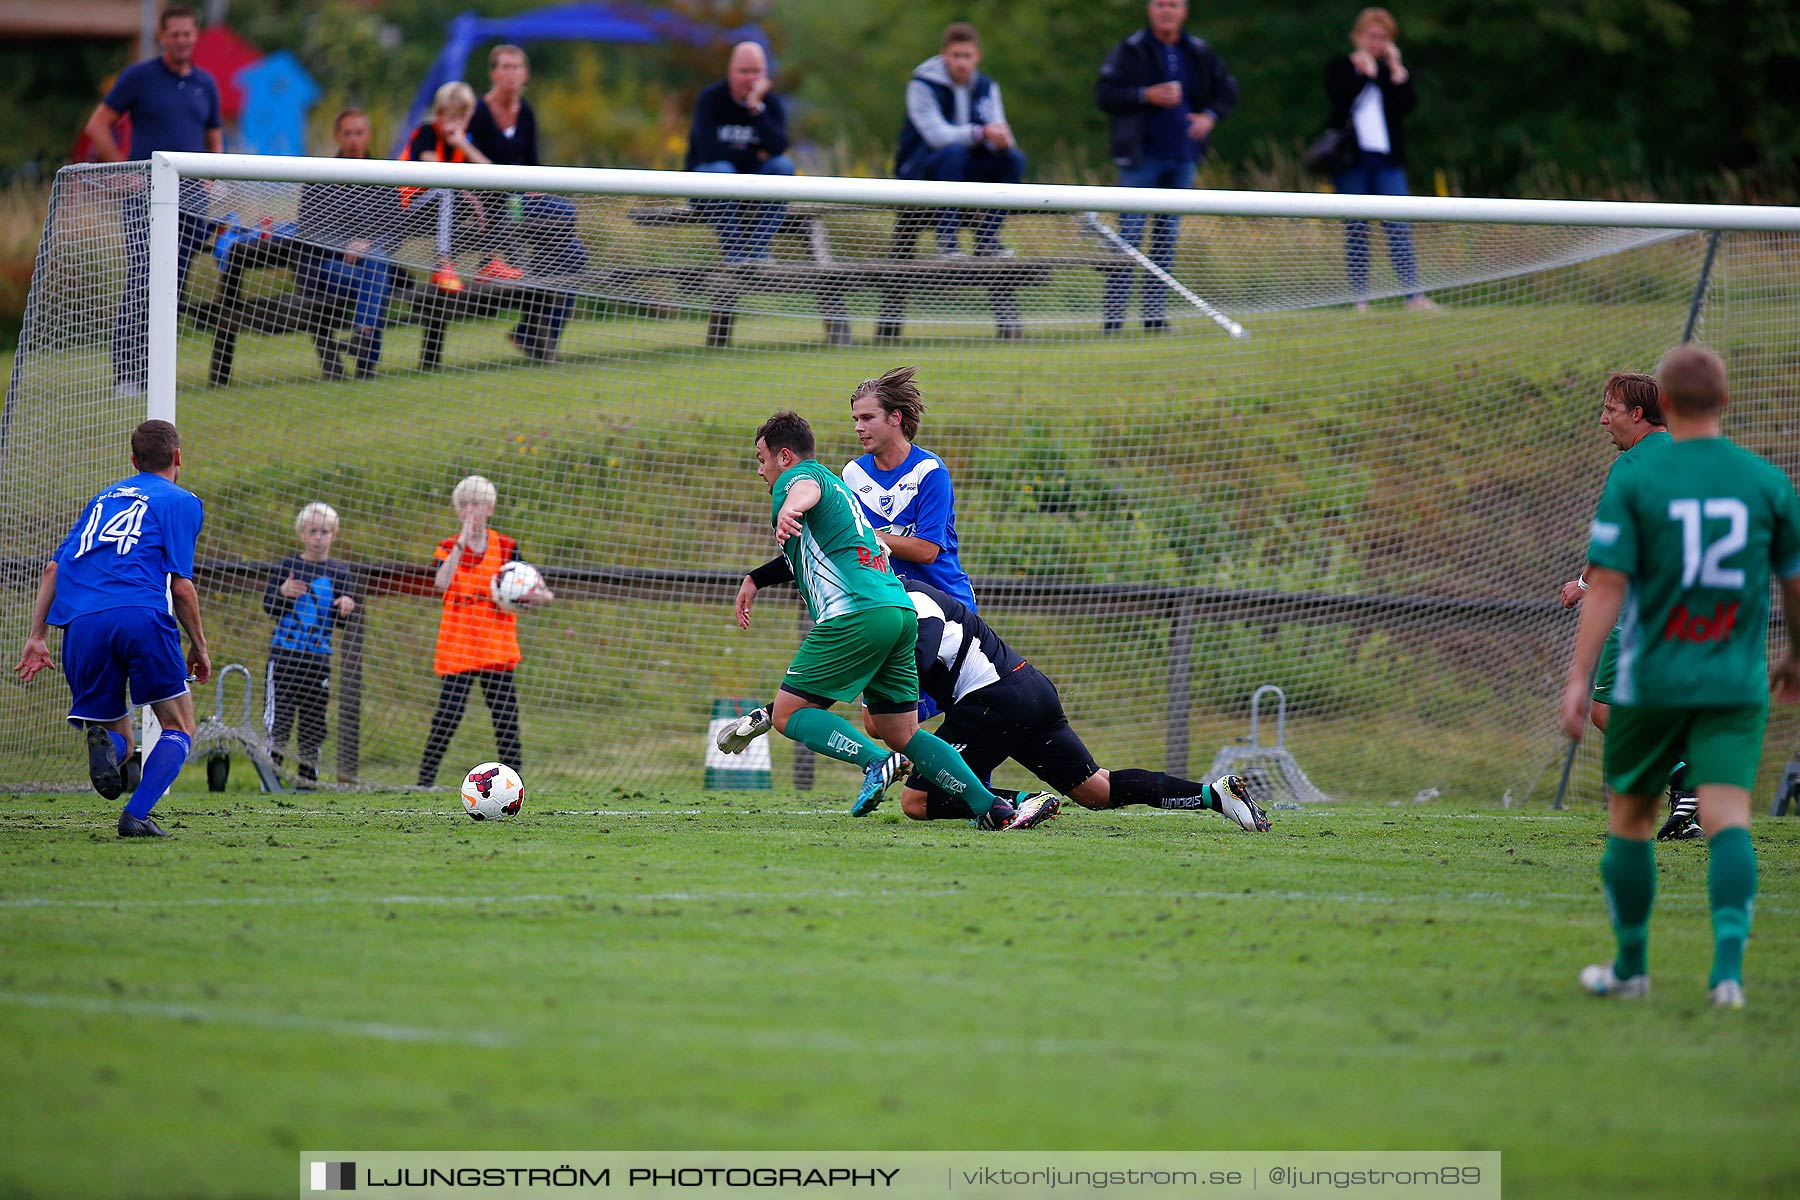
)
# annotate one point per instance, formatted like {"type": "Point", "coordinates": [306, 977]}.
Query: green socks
{"type": "Point", "coordinates": [1628, 870]}
{"type": "Point", "coordinates": [1730, 888]}
{"type": "Point", "coordinates": [938, 761]}
{"type": "Point", "coordinates": [826, 733]}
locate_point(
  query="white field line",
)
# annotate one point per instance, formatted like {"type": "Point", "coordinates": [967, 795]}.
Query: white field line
{"type": "Point", "coordinates": [1486, 899]}
{"type": "Point", "coordinates": [661, 812]}
{"type": "Point", "coordinates": [810, 1040]}
{"type": "Point", "coordinates": [379, 1030]}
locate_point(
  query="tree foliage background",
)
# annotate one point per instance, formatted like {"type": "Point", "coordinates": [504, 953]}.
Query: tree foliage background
{"type": "Point", "coordinates": [1662, 96]}
{"type": "Point", "coordinates": [1681, 99]}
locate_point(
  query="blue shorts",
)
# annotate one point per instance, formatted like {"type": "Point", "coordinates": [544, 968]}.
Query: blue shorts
{"type": "Point", "coordinates": [103, 650]}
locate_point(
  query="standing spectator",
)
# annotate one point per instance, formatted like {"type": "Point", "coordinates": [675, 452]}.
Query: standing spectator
{"type": "Point", "coordinates": [1166, 90]}
{"type": "Point", "coordinates": [477, 642]}
{"type": "Point", "coordinates": [307, 594]}
{"type": "Point", "coordinates": [173, 105]}
{"type": "Point", "coordinates": [350, 233]}
{"type": "Point", "coordinates": [740, 127]}
{"type": "Point", "coordinates": [1371, 92]}
{"type": "Point", "coordinates": [504, 128]}
{"type": "Point", "coordinates": [956, 130]}
{"type": "Point", "coordinates": [444, 138]}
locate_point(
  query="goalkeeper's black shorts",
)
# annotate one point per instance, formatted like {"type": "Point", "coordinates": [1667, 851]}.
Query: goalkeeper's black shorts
{"type": "Point", "coordinates": [1018, 717]}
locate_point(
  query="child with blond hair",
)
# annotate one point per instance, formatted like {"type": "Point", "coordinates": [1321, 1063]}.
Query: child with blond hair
{"type": "Point", "coordinates": [308, 593]}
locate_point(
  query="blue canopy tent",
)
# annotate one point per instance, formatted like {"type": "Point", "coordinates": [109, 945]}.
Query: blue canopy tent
{"type": "Point", "coordinates": [617, 22]}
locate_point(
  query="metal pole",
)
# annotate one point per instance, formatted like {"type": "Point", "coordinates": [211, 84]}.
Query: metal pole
{"type": "Point", "coordinates": [1111, 236]}
{"type": "Point", "coordinates": [347, 683]}
{"type": "Point", "coordinates": [805, 762]}
{"type": "Point", "coordinates": [1562, 785]}
{"type": "Point", "coordinates": [1180, 698]}
{"type": "Point", "coordinates": [147, 17]}
{"type": "Point", "coordinates": [163, 295]}
{"type": "Point", "coordinates": [1700, 288]}
{"type": "Point", "coordinates": [165, 289]}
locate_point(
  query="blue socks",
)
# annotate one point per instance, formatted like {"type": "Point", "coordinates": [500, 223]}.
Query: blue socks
{"type": "Point", "coordinates": [161, 766]}
{"type": "Point", "coordinates": [118, 741]}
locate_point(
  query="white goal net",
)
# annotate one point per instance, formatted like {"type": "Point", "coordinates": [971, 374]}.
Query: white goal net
{"type": "Point", "coordinates": [1187, 463]}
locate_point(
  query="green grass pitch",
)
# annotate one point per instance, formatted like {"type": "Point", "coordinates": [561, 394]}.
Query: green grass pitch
{"type": "Point", "coordinates": [744, 970]}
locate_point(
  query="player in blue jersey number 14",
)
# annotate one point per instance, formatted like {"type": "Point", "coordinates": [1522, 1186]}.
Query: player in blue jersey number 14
{"type": "Point", "coordinates": [117, 586]}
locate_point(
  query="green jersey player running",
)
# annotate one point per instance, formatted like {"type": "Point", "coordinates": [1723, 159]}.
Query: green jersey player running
{"type": "Point", "coordinates": [1680, 555]}
{"type": "Point", "coordinates": [863, 634]}
{"type": "Point", "coordinates": [1631, 413]}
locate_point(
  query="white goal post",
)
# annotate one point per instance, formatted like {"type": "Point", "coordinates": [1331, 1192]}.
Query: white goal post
{"type": "Point", "coordinates": [1372, 510]}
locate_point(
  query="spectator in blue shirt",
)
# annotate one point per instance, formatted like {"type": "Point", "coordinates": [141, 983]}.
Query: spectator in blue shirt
{"type": "Point", "coordinates": [174, 106]}
{"type": "Point", "coordinates": [308, 593]}
{"type": "Point", "coordinates": [117, 586]}
{"type": "Point", "coordinates": [1166, 91]}
{"type": "Point", "coordinates": [956, 130]}
{"type": "Point", "coordinates": [740, 127]}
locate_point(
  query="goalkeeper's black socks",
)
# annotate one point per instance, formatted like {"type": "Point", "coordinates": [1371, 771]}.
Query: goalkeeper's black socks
{"type": "Point", "coordinates": [1160, 791]}
{"type": "Point", "coordinates": [941, 806]}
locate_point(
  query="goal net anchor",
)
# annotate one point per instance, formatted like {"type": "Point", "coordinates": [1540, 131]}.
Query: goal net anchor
{"type": "Point", "coordinates": [214, 738]}
{"type": "Point", "coordinates": [1254, 760]}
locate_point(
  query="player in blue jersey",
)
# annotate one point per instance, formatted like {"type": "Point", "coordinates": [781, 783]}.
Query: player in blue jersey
{"type": "Point", "coordinates": [906, 495]}
{"type": "Point", "coordinates": [116, 587]}
{"type": "Point", "coordinates": [904, 490]}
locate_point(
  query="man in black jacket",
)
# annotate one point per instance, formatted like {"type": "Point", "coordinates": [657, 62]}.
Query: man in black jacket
{"type": "Point", "coordinates": [1165, 91]}
{"type": "Point", "coordinates": [350, 232]}
{"type": "Point", "coordinates": [740, 127]}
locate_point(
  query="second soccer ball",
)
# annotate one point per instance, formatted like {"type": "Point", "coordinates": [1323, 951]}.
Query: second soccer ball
{"type": "Point", "coordinates": [513, 582]}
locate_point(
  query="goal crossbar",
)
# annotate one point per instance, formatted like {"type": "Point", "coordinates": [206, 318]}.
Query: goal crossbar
{"type": "Point", "coordinates": [1018, 197]}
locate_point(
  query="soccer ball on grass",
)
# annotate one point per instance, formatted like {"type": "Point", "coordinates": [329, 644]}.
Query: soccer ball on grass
{"type": "Point", "coordinates": [492, 792]}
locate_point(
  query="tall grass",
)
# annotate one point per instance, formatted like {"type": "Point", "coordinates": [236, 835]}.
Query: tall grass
{"type": "Point", "coordinates": [22, 208]}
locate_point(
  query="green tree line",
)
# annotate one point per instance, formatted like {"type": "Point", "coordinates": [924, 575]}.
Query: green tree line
{"type": "Point", "coordinates": [1681, 99]}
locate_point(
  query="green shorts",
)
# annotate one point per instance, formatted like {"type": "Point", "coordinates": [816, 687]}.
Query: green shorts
{"type": "Point", "coordinates": [868, 653]}
{"type": "Point", "coordinates": [1609, 667]}
{"type": "Point", "coordinates": [1720, 745]}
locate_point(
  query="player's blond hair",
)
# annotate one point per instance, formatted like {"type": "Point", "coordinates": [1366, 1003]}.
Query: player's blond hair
{"type": "Point", "coordinates": [318, 510]}
{"type": "Point", "coordinates": [896, 393]}
{"type": "Point", "coordinates": [455, 98]}
{"type": "Point", "coordinates": [476, 489]}
{"type": "Point", "coordinates": [1377, 16]}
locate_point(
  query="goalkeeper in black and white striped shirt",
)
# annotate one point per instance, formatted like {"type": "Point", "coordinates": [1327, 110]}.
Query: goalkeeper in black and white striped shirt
{"type": "Point", "coordinates": [998, 706]}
